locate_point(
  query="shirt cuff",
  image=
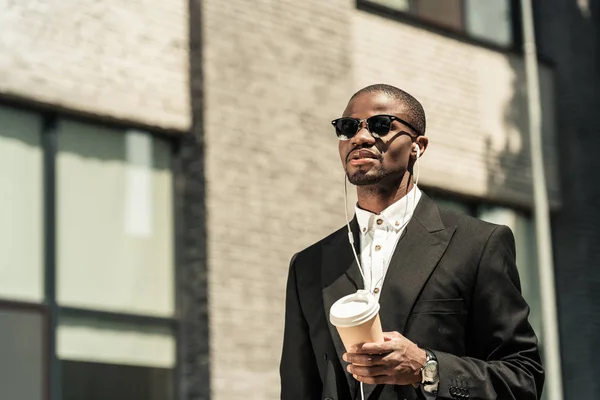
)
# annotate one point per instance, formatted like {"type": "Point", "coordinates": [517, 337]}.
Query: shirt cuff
{"type": "Point", "coordinates": [429, 395]}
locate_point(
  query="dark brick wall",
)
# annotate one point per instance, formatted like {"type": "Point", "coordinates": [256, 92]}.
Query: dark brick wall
{"type": "Point", "coordinates": [570, 39]}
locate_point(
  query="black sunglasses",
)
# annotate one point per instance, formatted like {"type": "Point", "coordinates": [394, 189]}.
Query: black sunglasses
{"type": "Point", "coordinates": [377, 125]}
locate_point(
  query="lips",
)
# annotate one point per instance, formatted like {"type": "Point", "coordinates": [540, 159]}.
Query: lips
{"type": "Point", "coordinates": [361, 154]}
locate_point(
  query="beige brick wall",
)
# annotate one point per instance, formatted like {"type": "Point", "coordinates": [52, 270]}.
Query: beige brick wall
{"type": "Point", "coordinates": [121, 59]}
{"type": "Point", "coordinates": [475, 104]}
{"type": "Point", "coordinates": [275, 74]}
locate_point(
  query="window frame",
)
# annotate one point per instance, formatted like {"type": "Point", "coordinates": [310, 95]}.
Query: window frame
{"type": "Point", "coordinates": [410, 17]}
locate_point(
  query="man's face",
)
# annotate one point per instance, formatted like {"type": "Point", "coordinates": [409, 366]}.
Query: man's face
{"type": "Point", "coordinates": [370, 161]}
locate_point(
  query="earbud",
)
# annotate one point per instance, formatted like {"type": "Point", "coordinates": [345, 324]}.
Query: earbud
{"type": "Point", "coordinates": [417, 148]}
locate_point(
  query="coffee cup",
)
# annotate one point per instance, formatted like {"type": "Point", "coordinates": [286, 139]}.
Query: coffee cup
{"type": "Point", "coordinates": [356, 318]}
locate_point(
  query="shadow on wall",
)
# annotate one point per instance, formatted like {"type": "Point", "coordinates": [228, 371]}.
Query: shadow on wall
{"type": "Point", "coordinates": [507, 162]}
{"type": "Point", "coordinates": [508, 165]}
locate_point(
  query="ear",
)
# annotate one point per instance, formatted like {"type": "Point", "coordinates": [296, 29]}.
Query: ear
{"type": "Point", "coordinates": [422, 142]}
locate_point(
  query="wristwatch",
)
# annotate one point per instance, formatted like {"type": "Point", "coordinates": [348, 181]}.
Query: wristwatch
{"type": "Point", "coordinates": [429, 373]}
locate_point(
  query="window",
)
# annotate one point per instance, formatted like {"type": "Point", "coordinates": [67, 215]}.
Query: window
{"type": "Point", "coordinates": [114, 217]}
{"type": "Point", "coordinates": [487, 20]}
{"type": "Point", "coordinates": [119, 361]}
{"type": "Point", "coordinates": [22, 352]}
{"type": "Point", "coordinates": [98, 381]}
{"type": "Point", "coordinates": [21, 191]}
{"type": "Point", "coordinates": [90, 207]}
{"type": "Point", "coordinates": [447, 13]}
{"type": "Point", "coordinates": [97, 339]}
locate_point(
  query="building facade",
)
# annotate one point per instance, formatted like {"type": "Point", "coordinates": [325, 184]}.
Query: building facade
{"type": "Point", "coordinates": [162, 162]}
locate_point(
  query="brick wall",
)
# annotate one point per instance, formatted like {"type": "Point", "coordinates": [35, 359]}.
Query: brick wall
{"type": "Point", "coordinates": [276, 73]}
{"type": "Point", "coordinates": [122, 60]}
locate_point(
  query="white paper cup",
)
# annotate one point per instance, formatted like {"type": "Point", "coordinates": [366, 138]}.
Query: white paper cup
{"type": "Point", "coordinates": [356, 318]}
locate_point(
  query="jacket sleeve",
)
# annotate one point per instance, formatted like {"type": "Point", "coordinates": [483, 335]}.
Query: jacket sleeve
{"type": "Point", "coordinates": [505, 362]}
{"type": "Point", "coordinates": [298, 370]}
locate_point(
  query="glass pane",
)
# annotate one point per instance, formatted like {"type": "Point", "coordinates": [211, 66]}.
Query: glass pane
{"type": "Point", "coordinates": [401, 5]}
{"type": "Point", "coordinates": [21, 194]}
{"type": "Point", "coordinates": [100, 341]}
{"type": "Point", "coordinates": [489, 20]}
{"type": "Point", "coordinates": [96, 381]}
{"type": "Point", "coordinates": [115, 220]}
{"type": "Point", "coordinates": [21, 355]}
{"type": "Point", "coordinates": [447, 13]}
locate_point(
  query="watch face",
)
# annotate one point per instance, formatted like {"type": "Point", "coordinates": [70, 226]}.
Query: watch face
{"type": "Point", "coordinates": [430, 371]}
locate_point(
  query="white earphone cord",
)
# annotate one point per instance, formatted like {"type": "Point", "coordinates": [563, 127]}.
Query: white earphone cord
{"type": "Point", "coordinates": [350, 236]}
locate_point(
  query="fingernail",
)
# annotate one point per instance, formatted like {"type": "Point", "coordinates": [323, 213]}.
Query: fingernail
{"type": "Point", "coordinates": [345, 357]}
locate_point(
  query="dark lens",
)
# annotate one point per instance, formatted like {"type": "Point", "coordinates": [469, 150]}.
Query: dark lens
{"type": "Point", "coordinates": [380, 124]}
{"type": "Point", "coordinates": [345, 128]}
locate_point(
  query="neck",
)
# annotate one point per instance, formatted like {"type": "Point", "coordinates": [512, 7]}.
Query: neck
{"type": "Point", "coordinates": [376, 198]}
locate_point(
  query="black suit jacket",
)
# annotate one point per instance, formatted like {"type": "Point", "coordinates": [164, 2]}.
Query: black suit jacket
{"type": "Point", "coordinates": [452, 286]}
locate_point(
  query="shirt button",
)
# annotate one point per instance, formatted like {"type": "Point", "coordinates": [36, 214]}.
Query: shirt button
{"type": "Point", "coordinates": [397, 223]}
{"type": "Point", "coordinates": [377, 248]}
{"type": "Point", "coordinates": [376, 290]}
{"type": "Point", "coordinates": [364, 229]}
{"type": "Point", "coordinates": [379, 221]}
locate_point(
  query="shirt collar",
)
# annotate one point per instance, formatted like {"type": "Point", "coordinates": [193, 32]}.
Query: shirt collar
{"type": "Point", "coordinates": [395, 217]}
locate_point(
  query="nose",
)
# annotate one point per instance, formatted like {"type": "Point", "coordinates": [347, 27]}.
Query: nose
{"type": "Point", "coordinates": [363, 136]}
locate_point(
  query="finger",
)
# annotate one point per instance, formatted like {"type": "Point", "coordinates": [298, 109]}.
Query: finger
{"type": "Point", "coordinates": [378, 370]}
{"type": "Point", "coordinates": [375, 348]}
{"type": "Point", "coordinates": [387, 336]}
{"type": "Point", "coordinates": [364, 359]}
{"type": "Point", "coordinates": [374, 380]}
{"type": "Point", "coordinates": [355, 348]}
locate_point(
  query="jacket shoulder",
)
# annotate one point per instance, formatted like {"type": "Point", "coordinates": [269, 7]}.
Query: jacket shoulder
{"type": "Point", "coordinates": [314, 250]}
{"type": "Point", "coordinates": [468, 224]}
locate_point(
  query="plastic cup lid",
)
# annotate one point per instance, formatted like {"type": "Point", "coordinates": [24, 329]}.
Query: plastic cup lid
{"type": "Point", "coordinates": [354, 309]}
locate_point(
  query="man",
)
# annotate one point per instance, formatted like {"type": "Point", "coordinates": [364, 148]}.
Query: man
{"type": "Point", "coordinates": [454, 319]}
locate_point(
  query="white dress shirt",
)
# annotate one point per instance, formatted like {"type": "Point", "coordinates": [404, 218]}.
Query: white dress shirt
{"type": "Point", "coordinates": [379, 234]}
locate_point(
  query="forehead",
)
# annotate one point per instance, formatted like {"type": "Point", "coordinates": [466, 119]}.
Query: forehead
{"type": "Point", "coordinates": [367, 104]}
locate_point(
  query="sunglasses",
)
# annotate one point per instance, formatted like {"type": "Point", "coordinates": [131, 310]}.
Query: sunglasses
{"type": "Point", "coordinates": [378, 125]}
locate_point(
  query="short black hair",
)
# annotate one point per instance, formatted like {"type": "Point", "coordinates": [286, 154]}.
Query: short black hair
{"type": "Point", "coordinates": [414, 109]}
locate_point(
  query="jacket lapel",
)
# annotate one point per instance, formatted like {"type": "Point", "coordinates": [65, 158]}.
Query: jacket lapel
{"type": "Point", "coordinates": [340, 277]}
{"type": "Point", "coordinates": [417, 253]}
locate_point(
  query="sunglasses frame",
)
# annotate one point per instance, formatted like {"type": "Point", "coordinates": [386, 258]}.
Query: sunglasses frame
{"type": "Point", "coordinates": [366, 122]}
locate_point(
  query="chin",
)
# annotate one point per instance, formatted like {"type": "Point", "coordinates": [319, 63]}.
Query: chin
{"type": "Point", "coordinates": [364, 179]}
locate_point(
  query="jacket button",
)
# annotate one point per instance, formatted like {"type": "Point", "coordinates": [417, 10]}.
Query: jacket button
{"type": "Point", "coordinates": [453, 391]}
